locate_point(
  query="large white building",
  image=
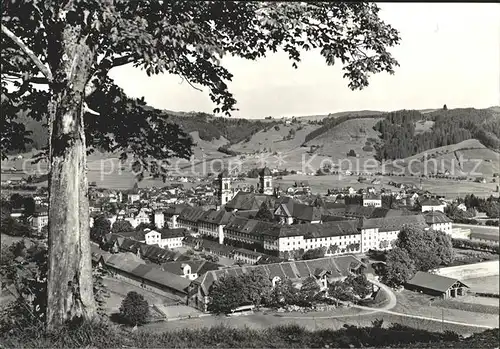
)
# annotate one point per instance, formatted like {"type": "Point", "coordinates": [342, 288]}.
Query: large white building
{"type": "Point", "coordinates": [349, 236]}
{"type": "Point", "coordinates": [39, 219]}
{"type": "Point", "coordinates": [437, 220]}
{"type": "Point", "coordinates": [165, 238]}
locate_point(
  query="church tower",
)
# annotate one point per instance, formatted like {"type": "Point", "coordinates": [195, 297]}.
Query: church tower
{"type": "Point", "coordinates": [225, 190]}
{"type": "Point", "coordinates": [266, 181]}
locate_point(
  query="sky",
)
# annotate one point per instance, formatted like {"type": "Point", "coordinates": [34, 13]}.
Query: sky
{"type": "Point", "coordinates": [449, 54]}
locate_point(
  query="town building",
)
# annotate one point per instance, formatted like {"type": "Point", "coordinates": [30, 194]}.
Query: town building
{"type": "Point", "coordinates": [39, 219]}
{"type": "Point", "coordinates": [372, 200]}
{"type": "Point", "coordinates": [436, 285]}
{"type": "Point", "coordinates": [432, 205]}
{"type": "Point", "coordinates": [212, 224]}
{"type": "Point", "coordinates": [325, 270]}
{"type": "Point", "coordinates": [191, 269]}
{"type": "Point", "coordinates": [171, 215]}
{"type": "Point", "coordinates": [226, 192]}
{"type": "Point", "coordinates": [189, 217]}
{"type": "Point", "coordinates": [266, 181]}
{"type": "Point", "coordinates": [437, 220]}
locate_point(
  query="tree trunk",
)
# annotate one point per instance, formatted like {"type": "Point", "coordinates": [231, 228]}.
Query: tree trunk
{"type": "Point", "coordinates": [69, 288]}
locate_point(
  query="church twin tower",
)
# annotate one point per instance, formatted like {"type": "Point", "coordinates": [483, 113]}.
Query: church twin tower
{"type": "Point", "coordinates": [226, 192]}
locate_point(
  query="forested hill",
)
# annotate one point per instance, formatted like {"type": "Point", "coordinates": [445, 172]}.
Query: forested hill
{"type": "Point", "coordinates": [209, 127]}
{"type": "Point", "coordinates": [403, 133]}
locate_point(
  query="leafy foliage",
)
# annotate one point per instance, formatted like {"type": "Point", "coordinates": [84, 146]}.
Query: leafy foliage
{"type": "Point", "coordinates": [134, 309]}
{"type": "Point", "coordinates": [399, 267]}
{"type": "Point", "coordinates": [264, 213]}
{"type": "Point", "coordinates": [429, 249]}
{"type": "Point", "coordinates": [450, 127]}
{"type": "Point", "coordinates": [101, 227]}
{"type": "Point", "coordinates": [24, 264]}
{"type": "Point", "coordinates": [315, 253]}
{"type": "Point", "coordinates": [231, 292]}
{"type": "Point", "coordinates": [121, 226]}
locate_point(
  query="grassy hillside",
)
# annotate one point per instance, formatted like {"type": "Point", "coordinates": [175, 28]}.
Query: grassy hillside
{"type": "Point", "coordinates": [352, 134]}
{"type": "Point", "coordinates": [281, 138]}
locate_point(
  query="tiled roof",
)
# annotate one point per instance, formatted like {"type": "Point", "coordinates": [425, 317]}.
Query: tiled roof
{"type": "Point", "coordinates": [394, 223]}
{"type": "Point", "coordinates": [309, 231]}
{"type": "Point", "coordinates": [436, 217]}
{"type": "Point", "coordinates": [431, 202]}
{"type": "Point", "coordinates": [197, 266]}
{"type": "Point", "coordinates": [220, 217]}
{"type": "Point", "coordinates": [173, 233]}
{"type": "Point", "coordinates": [432, 281]}
{"type": "Point", "coordinates": [249, 201]}
{"type": "Point", "coordinates": [175, 210]}
{"type": "Point", "coordinates": [135, 235]}
{"type": "Point", "coordinates": [191, 214]}
{"type": "Point", "coordinates": [337, 266]}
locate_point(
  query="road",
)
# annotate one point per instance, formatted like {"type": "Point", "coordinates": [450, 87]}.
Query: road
{"type": "Point", "coordinates": [277, 318]}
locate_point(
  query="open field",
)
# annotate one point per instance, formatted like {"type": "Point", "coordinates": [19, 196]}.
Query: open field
{"type": "Point", "coordinates": [351, 134]}
{"type": "Point", "coordinates": [261, 321]}
{"type": "Point", "coordinates": [488, 284]}
{"type": "Point", "coordinates": [118, 289]}
{"type": "Point", "coordinates": [420, 304]}
{"type": "Point", "coordinates": [482, 229]}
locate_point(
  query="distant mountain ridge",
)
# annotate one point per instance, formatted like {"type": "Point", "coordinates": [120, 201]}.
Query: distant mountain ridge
{"type": "Point", "coordinates": [252, 135]}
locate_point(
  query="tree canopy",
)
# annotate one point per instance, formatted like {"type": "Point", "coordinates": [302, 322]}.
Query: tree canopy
{"type": "Point", "coordinates": [56, 56]}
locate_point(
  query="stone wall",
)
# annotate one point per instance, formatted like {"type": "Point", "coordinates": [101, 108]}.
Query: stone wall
{"type": "Point", "coordinates": [470, 271]}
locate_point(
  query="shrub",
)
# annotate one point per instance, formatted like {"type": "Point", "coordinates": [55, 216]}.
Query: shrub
{"type": "Point", "coordinates": [475, 245]}
{"type": "Point", "coordinates": [134, 309]}
{"type": "Point", "coordinates": [367, 148]}
{"type": "Point", "coordinates": [277, 128]}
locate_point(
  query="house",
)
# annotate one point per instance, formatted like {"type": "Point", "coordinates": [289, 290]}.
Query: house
{"type": "Point", "coordinates": [148, 276]}
{"type": "Point", "coordinates": [432, 205]}
{"type": "Point", "coordinates": [189, 217]}
{"type": "Point", "coordinates": [172, 238]}
{"type": "Point", "coordinates": [381, 233]}
{"type": "Point", "coordinates": [436, 285]}
{"type": "Point", "coordinates": [39, 219]}
{"type": "Point", "coordinates": [247, 256]}
{"type": "Point", "coordinates": [372, 200]}
{"type": "Point", "coordinates": [325, 270]}
{"type": "Point", "coordinates": [212, 223]}
{"type": "Point", "coordinates": [171, 215]}
{"type": "Point", "coordinates": [191, 269]}
{"type": "Point", "coordinates": [290, 211]}
{"type": "Point", "coordinates": [437, 220]}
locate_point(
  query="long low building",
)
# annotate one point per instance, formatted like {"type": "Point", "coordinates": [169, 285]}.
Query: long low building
{"type": "Point", "coordinates": [325, 270]}
{"type": "Point", "coordinates": [349, 236]}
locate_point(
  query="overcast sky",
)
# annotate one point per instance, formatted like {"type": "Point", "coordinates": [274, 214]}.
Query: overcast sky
{"type": "Point", "coordinates": [449, 54]}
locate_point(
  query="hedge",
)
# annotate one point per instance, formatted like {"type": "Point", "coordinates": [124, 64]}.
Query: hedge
{"type": "Point", "coordinates": [475, 245]}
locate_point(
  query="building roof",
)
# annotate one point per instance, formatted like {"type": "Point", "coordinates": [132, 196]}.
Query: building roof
{"type": "Point", "coordinates": [394, 223]}
{"type": "Point", "coordinates": [135, 235]}
{"type": "Point", "coordinates": [338, 266]}
{"type": "Point", "coordinates": [311, 231]}
{"type": "Point", "coordinates": [372, 197]}
{"type": "Point", "coordinates": [173, 233]}
{"type": "Point", "coordinates": [249, 201]}
{"type": "Point", "coordinates": [175, 209]}
{"type": "Point", "coordinates": [191, 214]}
{"type": "Point", "coordinates": [197, 266]}
{"type": "Point", "coordinates": [224, 174]}
{"type": "Point", "coordinates": [436, 217]}
{"type": "Point", "coordinates": [431, 202]}
{"type": "Point", "coordinates": [220, 217]}
{"type": "Point", "coordinates": [433, 281]}
{"type": "Point", "coordinates": [265, 172]}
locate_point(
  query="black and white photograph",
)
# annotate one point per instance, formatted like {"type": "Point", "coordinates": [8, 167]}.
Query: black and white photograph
{"type": "Point", "coordinates": [249, 174]}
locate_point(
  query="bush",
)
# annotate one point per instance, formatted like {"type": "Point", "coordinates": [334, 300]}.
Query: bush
{"type": "Point", "coordinates": [277, 128]}
{"type": "Point", "coordinates": [368, 148]}
{"type": "Point", "coordinates": [475, 245]}
{"type": "Point", "coordinates": [134, 309]}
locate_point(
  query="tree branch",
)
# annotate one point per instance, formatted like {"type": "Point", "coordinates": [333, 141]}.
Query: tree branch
{"type": "Point", "coordinates": [43, 68]}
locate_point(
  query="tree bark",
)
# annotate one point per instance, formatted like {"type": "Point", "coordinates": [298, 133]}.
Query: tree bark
{"type": "Point", "coordinates": [69, 282]}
